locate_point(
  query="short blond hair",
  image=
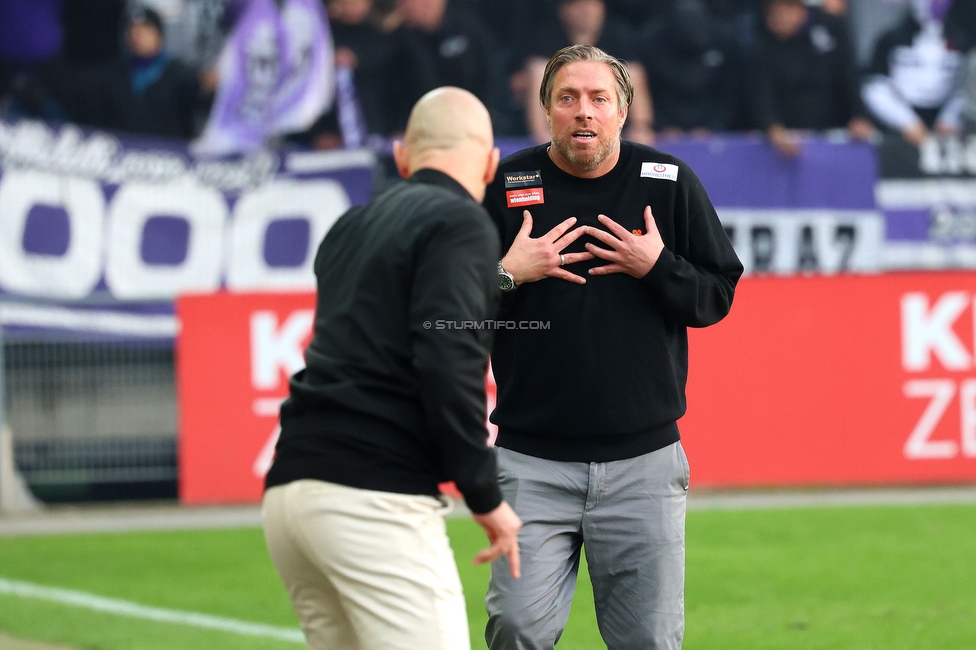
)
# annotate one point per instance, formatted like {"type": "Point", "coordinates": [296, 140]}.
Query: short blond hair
{"type": "Point", "coordinates": [578, 53]}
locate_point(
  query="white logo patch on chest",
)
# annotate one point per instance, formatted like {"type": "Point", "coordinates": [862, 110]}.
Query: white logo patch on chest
{"type": "Point", "coordinates": [659, 170]}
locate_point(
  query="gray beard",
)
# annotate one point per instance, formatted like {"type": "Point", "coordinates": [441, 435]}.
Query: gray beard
{"type": "Point", "coordinates": [584, 162]}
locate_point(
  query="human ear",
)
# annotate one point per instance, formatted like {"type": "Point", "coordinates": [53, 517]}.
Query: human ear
{"type": "Point", "coordinates": [402, 158]}
{"type": "Point", "coordinates": [491, 167]}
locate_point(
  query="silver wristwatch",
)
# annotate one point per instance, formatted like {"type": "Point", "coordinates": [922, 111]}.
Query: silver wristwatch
{"type": "Point", "coordinates": [505, 280]}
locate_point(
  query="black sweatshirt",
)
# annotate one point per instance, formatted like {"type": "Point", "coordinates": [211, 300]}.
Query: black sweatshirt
{"type": "Point", "coordinates": [389, 400]}
{"type": "Point", "coordinates": [602, 377]}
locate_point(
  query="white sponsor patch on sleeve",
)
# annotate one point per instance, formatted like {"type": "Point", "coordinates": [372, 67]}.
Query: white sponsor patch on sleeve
{"type": "Point", "coordinates": [659, 170]}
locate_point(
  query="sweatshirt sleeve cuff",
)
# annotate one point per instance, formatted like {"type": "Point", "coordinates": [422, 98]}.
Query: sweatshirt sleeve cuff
{"type": "Point", "coordinates": [659, 271]}
{"type": "Point", "coordinates": [482, 499]}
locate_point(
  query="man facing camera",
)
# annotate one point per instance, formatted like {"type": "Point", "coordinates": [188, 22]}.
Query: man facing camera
{"type": "Point", "coordinates": [615, 248]}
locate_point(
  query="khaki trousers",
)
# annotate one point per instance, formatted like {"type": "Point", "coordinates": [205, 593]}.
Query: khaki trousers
{"type": "Point", "coordinates": [366, 570]}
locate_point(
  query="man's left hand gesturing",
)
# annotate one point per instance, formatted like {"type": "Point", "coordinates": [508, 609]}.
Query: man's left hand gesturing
{"type": "Point", "coordinates": [628, 253]}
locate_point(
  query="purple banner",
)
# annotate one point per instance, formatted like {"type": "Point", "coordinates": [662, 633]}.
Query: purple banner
{"type": "Point", "coordinates": [99, 219]}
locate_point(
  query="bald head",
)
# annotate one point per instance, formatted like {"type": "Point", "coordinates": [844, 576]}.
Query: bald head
{"type": "Point", "coordinates": [446, 118]}
{"type": "Point", "coordinates": [450, 130]}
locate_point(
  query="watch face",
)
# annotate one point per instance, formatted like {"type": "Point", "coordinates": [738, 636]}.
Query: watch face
{"type": "Point", "coordinates": [505, 282]}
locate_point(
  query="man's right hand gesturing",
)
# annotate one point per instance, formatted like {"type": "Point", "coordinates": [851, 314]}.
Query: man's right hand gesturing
{"type": "Point", "coordinates": [531, 259]}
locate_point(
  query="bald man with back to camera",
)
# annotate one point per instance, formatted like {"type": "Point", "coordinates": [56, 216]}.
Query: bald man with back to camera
{"type": "Point", "coordinates": [389, 406]}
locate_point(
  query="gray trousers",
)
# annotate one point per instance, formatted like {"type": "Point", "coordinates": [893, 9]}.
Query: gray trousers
{"type": "Point", "coordinates": [628, 515]}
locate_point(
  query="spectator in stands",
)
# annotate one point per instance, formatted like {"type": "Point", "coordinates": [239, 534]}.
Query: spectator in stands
{"type": "Point", "coordinates": [583, 22]}
{"type": "Point", "coordinates": [195, 29]}
{"type": "Point", "coordinates": [804, 76]}
{"type": "Point", "coordinates": [30, 41]}
{"type": "Point", "coordinates": [915, 82]}
{"type": "Point", "coordinates": [371, 55]}
{"type": "Point", "coordinates": [440, 44]}
{"type": "Point", "coordinates": [692, 68]}
{"type": "Point", "coordinates": [960, 29]}
{"type": "Point", "coordinates": [743, 17]}
{"type": "Point", "coordinates": [147, 92]}
{"type": "Point", "coordinates": [512, 24]}
{"type": "Point", "coordinates": [833, 7]}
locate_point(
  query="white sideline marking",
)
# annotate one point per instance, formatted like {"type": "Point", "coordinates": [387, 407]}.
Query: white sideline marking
{"type": "Point", "coordinates": [125, 608]}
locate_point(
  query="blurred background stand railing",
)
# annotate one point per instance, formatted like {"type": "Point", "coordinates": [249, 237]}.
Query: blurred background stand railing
{"type": "Point", "coordinates": [89, 414]}
{"type": "Point", "coordinates": [14, 494]}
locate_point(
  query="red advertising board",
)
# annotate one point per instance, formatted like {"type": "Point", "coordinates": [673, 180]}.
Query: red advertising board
{"type": "Point", "coordinates": [843, 380]}
{"type": "Point", "coordinates": [235, 353]}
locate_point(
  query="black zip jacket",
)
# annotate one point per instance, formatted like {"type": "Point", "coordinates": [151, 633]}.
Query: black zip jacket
{"type": "Point", "coordinates": [392, 399]}
{"type": "Point", "coordinates": [602, 375]}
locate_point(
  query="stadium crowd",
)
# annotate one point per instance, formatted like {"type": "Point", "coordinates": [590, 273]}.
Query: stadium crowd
{"type": "Point", "coordinates": [782, 67]}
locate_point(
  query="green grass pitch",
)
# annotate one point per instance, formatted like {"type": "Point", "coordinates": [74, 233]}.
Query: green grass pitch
{"type": "Point", "coordinates": [888, 578]}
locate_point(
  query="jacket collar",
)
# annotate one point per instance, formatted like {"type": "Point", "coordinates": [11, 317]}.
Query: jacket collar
{"type": "Point", "coordinates": [440, 179]}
